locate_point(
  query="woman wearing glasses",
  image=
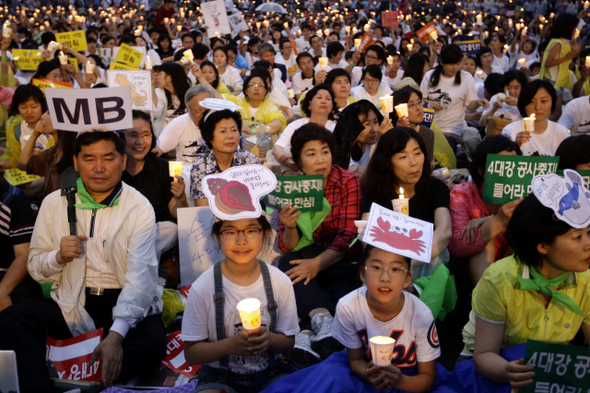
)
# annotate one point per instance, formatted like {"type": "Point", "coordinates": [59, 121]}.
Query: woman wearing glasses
{"type": "Point", "coordinates": [221, 132]}
{"type": "Point", "coordinates": [371, 89]}
{"type": "Point", "coordinates": [257, 109]}
{"type": "Point", "coordinates": [318, 256]}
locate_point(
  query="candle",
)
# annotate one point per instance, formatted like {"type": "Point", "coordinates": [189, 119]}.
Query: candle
{"type": "Point", "coordinates": [89, 68]}
{"type": "Point", "coordinates": [479, 74]}
{"type": "Point", "coordinates": [63, 59]}
{"type": "Point", "coordinates": [478, 17]}
{"type": "Point", "coordinates": [148, 63]}
{"type": "Point", "coordinates": [367, 28]}
{"type": "Point", "coordinates": [382, 350]}
{"type": "Point", "coordinates": [357, 43]}
{"type": "Point", "coordinates": [286, 24]}
{"type": "Point", "coordinates": [529, 123]}
{"type": "Point", "coordinates": [175, 169]}
{"type": "Point", "coordinates": [389, 59]}
{"type": "Point", "coordinates": [6, 31]}
{"type": "Point", "coordinates": [576, 34]}
{"type": "Point", "coordinates": [327, 32]}
{"type": "Point", "coordinates": [319, 33]}
{"type": "Point", "coordinates": [386, 104]}
{"type": "Point", "coordinates": [522, 62]}
{"type": "Point", "coordinates": [586, 5]}
{"type": "Point", "coordinates": [401, 205]}
{"type": "Point", "coordinates": [179, 27]}
{"type": "Point", "coordinates": [587, 61]}
{"type": "Point", "coordinates": [409, 47]}
{"type": "Point", "coordinates": [249, 310]}
{"type": "Point", "coordinates": [347, 28]}
{"type": "Point", "coordinates": [266, 23]}
{"type": "Point", "coordinates": [323, 62]}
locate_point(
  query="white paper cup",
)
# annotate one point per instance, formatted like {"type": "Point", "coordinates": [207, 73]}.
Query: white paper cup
{"type": "Point", "coordinates": [360, 224]}
{"type": "Point", "coordinates": [357, 43]}
{"type": "Point", "coordinates": [63, 59]}
{"type": "Point", "coordinates": [89, 68]}
{"type": "Point", "coordinates": [175, 168]}
{"type": "Point", "coordinates": [386, 104]}
{"type": "Point", "coordinates": [249, 310]}
{"type": "Point", "coordinates": [6, 32]}
{"type": "Point", "coordinates": [402, 110]}
{"type": "Point", "coordinates": [529, 124]}
{"type": "Point", "coordinates": [323, 62]}
{"type": "Point", "coordinates": [188, 54]}
{"type": "Point", "coordinates": [501, 98]}
{"type": "Point", "coordinates": [52, 46]}
{"type": "Point", "coordinates": [382, 350]}
{"type": "Point", "coordinates": [401, 206]}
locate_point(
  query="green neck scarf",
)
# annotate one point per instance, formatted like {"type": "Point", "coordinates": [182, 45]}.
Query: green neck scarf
{"type": "Point", "coordinates": [308, 222]}
{"type": "Point", "coordinates": [544, 285]}
{"type": "Point", "coordinates": [88, 201]}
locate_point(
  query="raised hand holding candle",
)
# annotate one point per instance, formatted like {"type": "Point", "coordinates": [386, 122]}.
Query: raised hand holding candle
{"type": "Point", "coordinates": [323, 62]}
{"type": "Point", "coordinates": [389, 60]}
{"type": "Point", "coordinates": [63, 59]}
{"type": "Point", "coordinates": [175, 168]}
{"type": "Point", "coordinates": [401, 110]}
{"type": "Point", "coordinates": [249, 310]}
{"type": "Point", "coordinates": [386, 104]}
{"type": "Point", "coordinates": [357, 43]}
{"type": "Point", "coordinates": [529, 123]}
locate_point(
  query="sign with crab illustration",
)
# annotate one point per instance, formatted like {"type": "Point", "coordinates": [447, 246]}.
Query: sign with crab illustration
{"type": "Point", "coordinates": [398, 233]}
{"type": "Point", "coordinates": [235, 194]}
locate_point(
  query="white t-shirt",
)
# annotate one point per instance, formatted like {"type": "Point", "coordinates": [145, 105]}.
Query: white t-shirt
{"type": "Point", "coordinates": [360, 93]}
{"type": "Point", "coordinates": [495, 70]}
{"type": "Point", "coordinates": [454, 100]}
{"type": "Point", "coordinates": [544, 144]}
{"type": "Point", "coordinates": [183, 135]}
{"type": "Point", "coordinates": [302, 45]}
{"type": "Point", "coordinates": [232, 78]}
{"type": "Point", "coordinates": [25, 135]}
{"type": "Point", "coordinates": [576, 116]}
{"type": "Point", "coordinates": [198, 323]}
{"type": "Point", "coordinates": [501, 62]}
{"type": "Point", "coordinates": [508, 112]}
{"type": "Point", "coordinates": [285, 138]}
{"type": "Point", "coordinates": [301, 84]}
{"type": "Point", "coordinates": [393, 82]}
{"type": "Point", "coordinates": [414, 331]}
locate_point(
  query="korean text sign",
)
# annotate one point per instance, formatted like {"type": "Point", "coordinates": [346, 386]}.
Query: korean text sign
{"type": "Point", "coordinates": [306, 192]}
{"type": "Point", "coordinates": [557, 367]}
{"type": "Point", "coordinates": [509, 177]}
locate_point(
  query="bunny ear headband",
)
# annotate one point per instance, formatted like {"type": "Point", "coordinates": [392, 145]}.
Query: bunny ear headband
{"type": "Point", "coordinates": [235, 193]}
{"type": "Point", "coordinates": [216, 104]}
{"type": "Point", "coordinates": [566, 196]}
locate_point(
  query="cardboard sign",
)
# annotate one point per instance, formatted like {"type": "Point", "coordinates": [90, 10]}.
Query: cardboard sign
{"type": "Point", "coordinates": [389, 18]}
{"type": "Point", "coordinates": [237, 22]}
{"type": "Point", "coordinates": [174, 359]}
{"type": "Point", "coordinates": [128, 55]}
{"type": "Point", "coordinates": [70, 357]}
{"type": "Point", "coordinates": [424, 34]}
{"type": "Point", "coordinates": [140, 83]}
{"type": "Point", "coordinates": [16, 177]}
{"type": "Point", "coordinates": [43, 84]}
{"type": "Point", "coordinates": [74, 39]}
{"type": "Point", "coordinates": [306, 192]}
{"type": "Point", "coordinates": [74, 61]}
{"type": "Point", "coordinates": [366, 41]}
{"type": "Point", "coordinates": [557, 367]}
{"type": "Point", "coordinates": [123, 67]}
{"type": "Point", "coordinates": [235, 193]}
{"type": "Point", "coordinates": [215, 18]}
{"type": "Point", "coordinates": [27, 59]}
{"type": "Point", "coordinates": [399, 234]}
{"type": "Point", "coordinates": [469, 44]}
{"type": "Point", "coordinates": [87, 109]}
{"type": "Point", "coordinates": [509, 177]}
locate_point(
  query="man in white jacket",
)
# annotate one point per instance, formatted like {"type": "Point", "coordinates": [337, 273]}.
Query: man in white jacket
{"type": "Point", "coordinates": [106, 276]}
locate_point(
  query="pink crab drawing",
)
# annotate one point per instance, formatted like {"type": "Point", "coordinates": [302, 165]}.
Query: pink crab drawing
{"type": "Point", "coordinates": [397, 239]}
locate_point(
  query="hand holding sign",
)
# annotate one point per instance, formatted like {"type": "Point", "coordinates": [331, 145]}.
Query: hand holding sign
{"type": "Point", "coordinates": [519, 374]}
{"type": "Point", "coordinates": [111, 352]}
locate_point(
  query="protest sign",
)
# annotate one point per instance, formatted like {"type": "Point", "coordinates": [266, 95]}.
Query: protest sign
{"type": "Point", "coordinates": [389, 18]}
{"type": "Point", "coordinates": [74, 61]}
{"type": "Point", "coordinates": [557, 367]}
{"type": "Point", "coordinates": [74, 39]}
{"type": "Point", "coordinates": [43, 84]}
{"type": "Point", "coordinates": [469, 44]}
{"type": "Point", "coordinates": [215, 17]}
{"type": "Point", "coordinates": [27, 59]}
{"type": "Point", "coordinates": [70, 357]}
{"type": "Point", "coordinates": [305, 192]}
{"type": "Point", "coordinates": [426, 33]}
{"type": "Point", "coordinates": [124, 67]}
{"type": "Point", "coordinates": [509, 177]}
{"type": "Point", "coordinates": [16, 177]}
{"type": "Point", "coordinates": [399, 233]}
{"type": "Point", "coordinates": [37, 37]}
{"type": "Point", "coordinates": [128, 55]}
{"type": "Point", "coordinates": [428, 110]}
{"type": "Point", "coordinates": [87, 109]}
{"type": "Point", "coordinates": [140, 83]}
{"type": "Point", "coordinates": [175, 360]}
{"type": "Point", "coordinates": [366, 41]}
{"type": "Point", "coordinates": [237, 22]}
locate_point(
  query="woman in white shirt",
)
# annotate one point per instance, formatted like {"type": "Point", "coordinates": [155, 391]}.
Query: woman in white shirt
{"type": "Point", "coordinates": [372, 88]}
{"type": "Point", "coordinates": [228, 74]}
{"type": "Point", "coordinates": [504, 104]}
{"type": "Point", "coordinates": [484, 66]}
{"type": "Point", "coordinates": [538, 98]}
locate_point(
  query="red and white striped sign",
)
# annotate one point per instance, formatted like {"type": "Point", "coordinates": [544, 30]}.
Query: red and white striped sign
{"type": "Point", "coordinates": [70, 357]}
{"type": "Point", "coordinates": [174, 359]}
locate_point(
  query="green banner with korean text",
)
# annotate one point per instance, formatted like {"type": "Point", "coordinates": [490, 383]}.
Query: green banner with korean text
{"type": "Point", "coordinates": [557, 367]}
{"type": "Point", "coordinates": [509, 177]}
{"type": "Point", "coordinates": [306, 192]}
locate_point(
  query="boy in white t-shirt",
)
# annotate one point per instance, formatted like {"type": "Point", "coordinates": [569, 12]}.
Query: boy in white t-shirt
{"type": "Point", "coordinates": [383, 308]}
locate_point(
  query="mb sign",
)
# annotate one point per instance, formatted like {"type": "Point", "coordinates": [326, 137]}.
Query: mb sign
{"type": "Point", "coordinates": [86, 109]}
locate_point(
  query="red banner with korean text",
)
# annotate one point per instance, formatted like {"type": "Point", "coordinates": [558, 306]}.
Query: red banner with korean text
{"type": "Point", "coordinates": [70, 357]}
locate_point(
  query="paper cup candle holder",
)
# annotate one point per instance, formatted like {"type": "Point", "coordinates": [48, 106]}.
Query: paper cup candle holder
{"type": "Point", "coordinates": [249, 310]}
{"type": "Point", "coordinates": [382, 350]}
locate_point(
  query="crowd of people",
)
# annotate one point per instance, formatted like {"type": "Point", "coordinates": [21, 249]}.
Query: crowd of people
{"type": "Point", "coordinates": [305, 91]}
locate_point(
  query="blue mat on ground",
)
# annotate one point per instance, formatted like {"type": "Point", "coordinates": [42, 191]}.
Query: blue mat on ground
{"type": "Point", "coordinates": [334, 375]}
{"type": "Point", "coordinates": [186, 388]}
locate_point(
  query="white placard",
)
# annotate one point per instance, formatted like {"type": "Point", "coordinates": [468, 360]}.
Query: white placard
{"type": "Point", "coordinates": [87, 109]}
{"type": "Point", "coordinates": [215, 17]}
{"type": "Point", "coordinates": [199, 250]}
{"type": "Point", "coordinates": [141, 86]}
{"type": "Point", "coordinates": [237, 22]}
{"type": "Point", "coordinates": [399, 234]}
